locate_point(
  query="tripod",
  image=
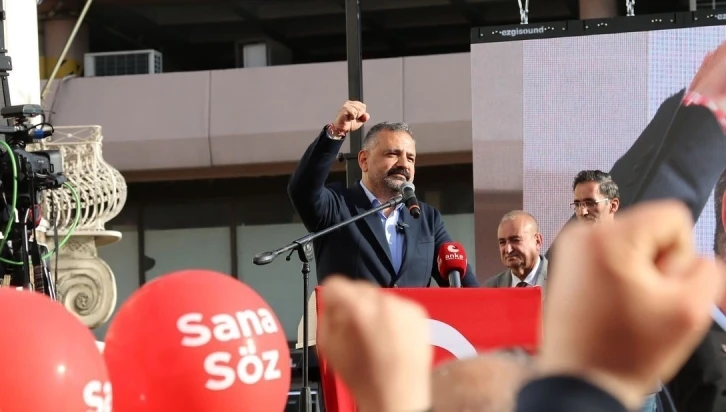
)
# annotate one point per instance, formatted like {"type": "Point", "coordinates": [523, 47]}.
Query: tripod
{"type": "Point", "coordinates": [304, 249]}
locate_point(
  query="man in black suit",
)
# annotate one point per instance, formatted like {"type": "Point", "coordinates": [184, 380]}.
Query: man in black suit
{"type": "Point", "coordinates": [390, 248]}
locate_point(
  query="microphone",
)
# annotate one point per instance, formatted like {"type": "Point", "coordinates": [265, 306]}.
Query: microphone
{"type": "Point", "coordinates": [401, 227]}
{"type": "Point", "coordinates": [452, 262]}
{"type": "Point", "coordinates": [264, 258]}
{"type": "Point", "coordinates": [408, 191]}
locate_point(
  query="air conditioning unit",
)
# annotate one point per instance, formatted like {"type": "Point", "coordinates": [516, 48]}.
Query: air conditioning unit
{"type": "Point", "coordinates": [122, 63]}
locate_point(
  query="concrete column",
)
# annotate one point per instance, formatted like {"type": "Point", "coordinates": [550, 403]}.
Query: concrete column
{"type": "Point", "coordinates": [598, 9]}
{"type": "Point", "coordinates": [56, 33]}
{"type": "Point", "coordinates": [21, 41]}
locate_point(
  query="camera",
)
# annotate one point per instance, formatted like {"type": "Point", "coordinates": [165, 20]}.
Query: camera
{"type": "Point", "coordinates": [36, 171]}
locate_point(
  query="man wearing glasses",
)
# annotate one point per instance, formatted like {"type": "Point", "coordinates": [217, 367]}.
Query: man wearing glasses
{"type": "Point", "coordinates": [596, 197]}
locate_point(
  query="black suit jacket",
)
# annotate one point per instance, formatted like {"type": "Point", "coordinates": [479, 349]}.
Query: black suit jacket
{"type": "Point", "coordinates": [360, 250]}
{"type": "Point", "coordinates": [680, 154]}
{"type": "Point", "coordinates": [565, 394]}
{"type": "Point", "coordinates": [700, 384]}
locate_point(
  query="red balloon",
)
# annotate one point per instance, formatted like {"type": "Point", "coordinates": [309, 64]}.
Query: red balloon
{"type": "Point", "coordinates": [48, 358]}
{"type": "Point", "coordinates": [197, 340]}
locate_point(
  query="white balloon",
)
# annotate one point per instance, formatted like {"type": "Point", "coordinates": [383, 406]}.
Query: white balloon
{"type": "Point", "coordinates": [100, 346]}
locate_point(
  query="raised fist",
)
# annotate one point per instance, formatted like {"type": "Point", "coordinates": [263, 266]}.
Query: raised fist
{"type": "Point", "coordinates": [644, 298]}
{"type": "Point", "coordinates": [378, 344]}
{"type": "Point", "coordinates": [710, 80]}
{"type": "Point", "coordinates": [351, 117]}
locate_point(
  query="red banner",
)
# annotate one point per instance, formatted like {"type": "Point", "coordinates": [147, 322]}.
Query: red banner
{"type": "Point", "coordinates": [463, 322]}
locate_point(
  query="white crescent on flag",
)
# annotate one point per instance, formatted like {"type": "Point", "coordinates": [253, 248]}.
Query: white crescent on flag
{"type": "Point", "coordinates": [448, 338]}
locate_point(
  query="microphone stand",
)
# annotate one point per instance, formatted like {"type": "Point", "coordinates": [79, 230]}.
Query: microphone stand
{"type": "Point", "coordinates": [455, 279]}
{"type": "Point", "coordinates": [304, 248]}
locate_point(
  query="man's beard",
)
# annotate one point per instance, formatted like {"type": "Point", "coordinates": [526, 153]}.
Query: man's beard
{"type": "Point", "coordinates": [392, 182]}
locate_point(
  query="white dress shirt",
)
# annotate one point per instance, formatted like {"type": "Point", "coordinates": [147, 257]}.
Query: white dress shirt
{"type": "Point", "coordinates": [531, 278]}
{"type": "Point", "coordinates": [393, 235]}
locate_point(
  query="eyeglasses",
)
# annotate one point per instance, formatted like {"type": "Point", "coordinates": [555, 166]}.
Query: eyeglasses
{"type": "Point", "coordinates": [586, 203]}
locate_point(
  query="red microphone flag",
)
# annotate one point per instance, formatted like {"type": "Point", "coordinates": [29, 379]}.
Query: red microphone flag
{"type": "Point", "coordinates": [451, 257]}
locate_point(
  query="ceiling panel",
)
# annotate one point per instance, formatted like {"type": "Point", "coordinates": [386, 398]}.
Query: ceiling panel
{"type": "Point", "coordinates": [280, 9]}
{"type": "Point", "coordinates": [313, 30]}
{"type": "Point", "coordinates": [399, 4]}
{"type": "Point", "coordinates": [166, 15]}
{"type": "Point", "coordinates": [423, 17]}
{"type": "Point", "coordinates": [154, 2]}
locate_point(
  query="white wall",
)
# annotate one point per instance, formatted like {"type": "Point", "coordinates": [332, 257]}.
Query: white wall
{"type": "Point", "coordinates": [21, 41]}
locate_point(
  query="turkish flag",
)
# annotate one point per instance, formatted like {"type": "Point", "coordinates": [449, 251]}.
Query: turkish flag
{"type": "Point", "coordinates": [463, 322]}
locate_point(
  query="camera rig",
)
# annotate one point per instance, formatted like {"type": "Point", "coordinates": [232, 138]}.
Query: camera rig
{"type": "Point", "coordinates": [24, 176]}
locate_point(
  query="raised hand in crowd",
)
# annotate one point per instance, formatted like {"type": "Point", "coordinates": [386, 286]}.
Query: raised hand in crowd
{"type": "Point", "coordinates": [710, 79]}
{"type": "Point", "coordinates": [629, 301]}
{"type": "Point", "coordinates": [378, 344]}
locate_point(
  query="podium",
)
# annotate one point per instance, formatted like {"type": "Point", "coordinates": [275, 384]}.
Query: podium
{"type": "Point", "coordinates": [463, 322]}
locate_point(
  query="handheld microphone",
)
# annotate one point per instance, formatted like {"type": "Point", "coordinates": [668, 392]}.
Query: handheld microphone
{"type": "Point", "coordinates": [408, 191]}
{"type": "Point", "coordinates": [452, 262]}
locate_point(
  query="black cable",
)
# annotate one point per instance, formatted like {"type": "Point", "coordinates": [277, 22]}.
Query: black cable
{"type": "Point", "coordinates": [54, 218]}
{"type": "Point", "coordinates": [36, 247]}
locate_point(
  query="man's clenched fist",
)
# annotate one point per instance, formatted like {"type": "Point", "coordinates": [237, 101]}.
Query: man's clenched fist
{"type": "Point", "coordinates": [710, 80]}
{"type": "Point", "coordinates": [628, 302]}
{"type": "Point", "coordinates": [351, 117]}
{"type": "Point", "coordinates": [378, 343]}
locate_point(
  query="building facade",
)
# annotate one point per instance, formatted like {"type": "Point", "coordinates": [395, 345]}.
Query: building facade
{"type": "Point", "coordinates": [206, 108]}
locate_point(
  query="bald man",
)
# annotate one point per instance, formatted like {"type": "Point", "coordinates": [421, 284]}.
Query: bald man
{"type": "Point", "coordinates": [520, 245]}
{"type": "Point", "coordinates": [487, 383]}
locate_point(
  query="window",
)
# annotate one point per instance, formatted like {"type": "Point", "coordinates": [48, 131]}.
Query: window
{"type": "Point", "coordinates": [195, 234]}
